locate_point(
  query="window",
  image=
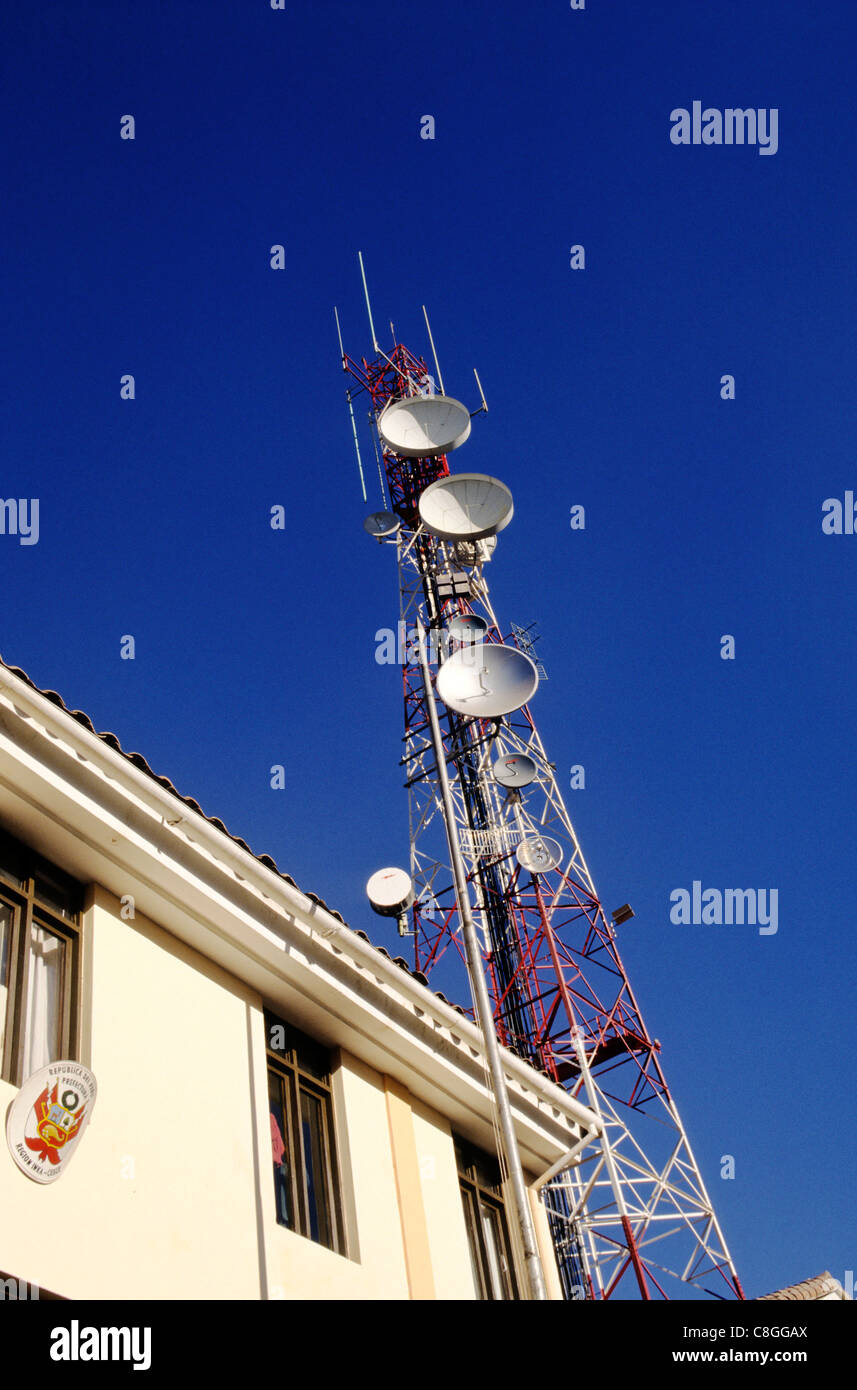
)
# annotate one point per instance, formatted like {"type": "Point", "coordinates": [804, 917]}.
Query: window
{"type": "Point", "coordinates": [39, 962]}
{"type": "Point", "coordinates": [485, 1219]}
{"type": "Point", "coordinates": [306, 1186]}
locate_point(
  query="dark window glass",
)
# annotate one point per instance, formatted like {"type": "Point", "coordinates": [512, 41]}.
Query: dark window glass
{"type": "Point", "coordinates": [306, 1188]}
{"type": "Point", "coordinates": [5, 936]}
{"type": "Point", "coordinates": [313, 1059]}
{"type": "Point", "coordinates": [315, 1167]}
{"type": "Point", "coordinates": [12, 860]}
{"type": "Point", "coordinates": [294, 1047]}
{"type": "Point", "coordinates": [473, 1243]}
{"type": "Point", "coordinates": [39, 962]}
{"type": "Point", "coordinates": [54, 895]}
{"type": "Point", "coordinates": [280, 1133]}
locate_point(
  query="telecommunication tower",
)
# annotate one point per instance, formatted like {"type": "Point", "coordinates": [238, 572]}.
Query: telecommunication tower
{"type": "Point", "coordinates": [629, 1213]}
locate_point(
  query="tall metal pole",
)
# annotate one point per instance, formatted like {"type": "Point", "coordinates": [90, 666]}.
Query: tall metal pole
{"type": "Point", "coordinates": [526, 1225]}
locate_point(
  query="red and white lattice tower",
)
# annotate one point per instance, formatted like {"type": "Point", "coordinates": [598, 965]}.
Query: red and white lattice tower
{"type": "Point", "coordinates": [632, 1218]}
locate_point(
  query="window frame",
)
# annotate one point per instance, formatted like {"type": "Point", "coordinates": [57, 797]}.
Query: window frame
{"type": "Point", "coordinates": [476, 1191]}
{"type": "Point", "coordinates": [22, 872]}
{"type": "Point", "coordinates": [296, 1077]}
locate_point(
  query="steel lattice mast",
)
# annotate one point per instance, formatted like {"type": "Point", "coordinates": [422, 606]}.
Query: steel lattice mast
{"type": "Point", "coordinates": [633, 1217]}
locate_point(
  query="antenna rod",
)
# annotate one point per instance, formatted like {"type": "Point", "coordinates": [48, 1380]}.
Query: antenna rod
{"type": "Point", "coordinates": [433, 353]}
{"type": "Point", "coordinates": [368, 305]}
{"type": "Point", "coordinates": [356, 444]}
{"type": "Point", "coordinates": [374, 428]}
{"type": "Point", "coordinates": [350, 406]}
{"type": "Point", "coordinates": [480, 996]}
{"type": "Point", "coordinates": [481, 392]}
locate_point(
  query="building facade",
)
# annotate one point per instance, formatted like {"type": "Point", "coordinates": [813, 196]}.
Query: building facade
{"type": "Point", "coordinates": [283, 1110]}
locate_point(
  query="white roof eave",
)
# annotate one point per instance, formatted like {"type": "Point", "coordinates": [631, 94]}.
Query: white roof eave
{"type": "Point", "coordinates": [105, 819]}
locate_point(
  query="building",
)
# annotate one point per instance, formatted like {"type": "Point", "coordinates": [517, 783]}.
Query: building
{"type": "Point", "coordinates": [283, 1110]}
{"type": "Point", "coordinates": [822, 1289]}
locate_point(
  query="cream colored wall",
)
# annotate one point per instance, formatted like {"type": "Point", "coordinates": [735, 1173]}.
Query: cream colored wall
{"type": "Point", "coordinates": [441, 1195]}
{"type": "Point", "coordinates": [412, 1213]}
{"type": "Point", "coordinates": [553, 1286]}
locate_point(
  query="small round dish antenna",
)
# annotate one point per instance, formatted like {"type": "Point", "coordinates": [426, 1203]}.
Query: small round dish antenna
{"type": "Point", "coordinates": [486, 680]}
{"type": "Point", "coordinates": [539, 854]}
{"type": "Point", "coordinates": [381, 524]}
{"type": "Point", "coordinates": [423, 426]}
{"type": "Point", "coordinates": [466, 507]}
{"type": "Point", "coordinates": [390, 892]}
{"type": "Point", "coordinates": [515, 770]}
{"type": "Point", "coordinates": [466, 627]}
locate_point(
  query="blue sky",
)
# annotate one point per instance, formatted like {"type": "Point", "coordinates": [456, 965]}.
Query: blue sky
{"type": "Point", "coordinates": [256, 647]}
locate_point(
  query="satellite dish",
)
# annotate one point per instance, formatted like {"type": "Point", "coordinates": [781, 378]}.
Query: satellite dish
{"type": "Point", "coordinates": [390, 892]}
{"type": "Point", "coordinates": [515, 770]}
{"type": "Point", "coordinates": [466, 627]}
{"type": "Point", "coordinates": [539, 854]}
{"type": "Point", "coordinates": [381, 524]}
{"type": "Point", "coordinates": [466, 507]}
{"type": "Point", "coordinates": [422, 426]}
{"type": "Point", "coordinates": [487, 680]}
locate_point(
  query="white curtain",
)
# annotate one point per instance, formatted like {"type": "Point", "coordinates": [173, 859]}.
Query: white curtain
{"type": "Point", "coordinates": [40, 1029]}
{"type": "Point", "coordinates": [489, 1233]}
{"type": "Point", "coordinates": [5, 927]}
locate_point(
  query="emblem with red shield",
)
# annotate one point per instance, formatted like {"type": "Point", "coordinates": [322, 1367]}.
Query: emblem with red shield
{"type": "Point", "coordinates": [47, 1119]}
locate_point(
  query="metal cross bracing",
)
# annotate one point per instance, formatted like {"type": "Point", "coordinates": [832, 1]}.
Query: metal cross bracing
{"type": "Point", "coordinates": [631, 1217]}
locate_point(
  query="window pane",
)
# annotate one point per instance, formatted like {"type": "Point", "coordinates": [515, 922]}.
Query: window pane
{"type": "Point", "coordinates": [280, 1153]}
{"type": "Point", "coordinates": [488, 1173]}
{"type": "Point", "coordinates": [41, 1038]}
{"type": "Point", "coordinates": [11, 859]}
{"type": "Point", "coordinates": [312, 1057]}
{"type": "Point", "coordinates": [315, 1169]}
{"type": "Point", "coordinates": [53, 894]}
{"type": "Point", "coordinates": [278, 1037]}
{"type": "Point", "coordinates": [473, 1244]}
{"type": "Point", "coordinates": [5, 935]}
{"type": "Point", "coordinates": [495, 1253]}
{"type": "Point", "coordinates": [295, 1047]}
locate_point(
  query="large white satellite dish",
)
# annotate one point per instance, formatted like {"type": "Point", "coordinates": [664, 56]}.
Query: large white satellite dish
{"type": "Point", "coordinates": [486, 680]}
{"type": "Point", "coordinates": [539, 854]}
{"type": "Point", "coordinates": [422, 426]}
{"type": "Point", "coordinates": [466, 507]}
